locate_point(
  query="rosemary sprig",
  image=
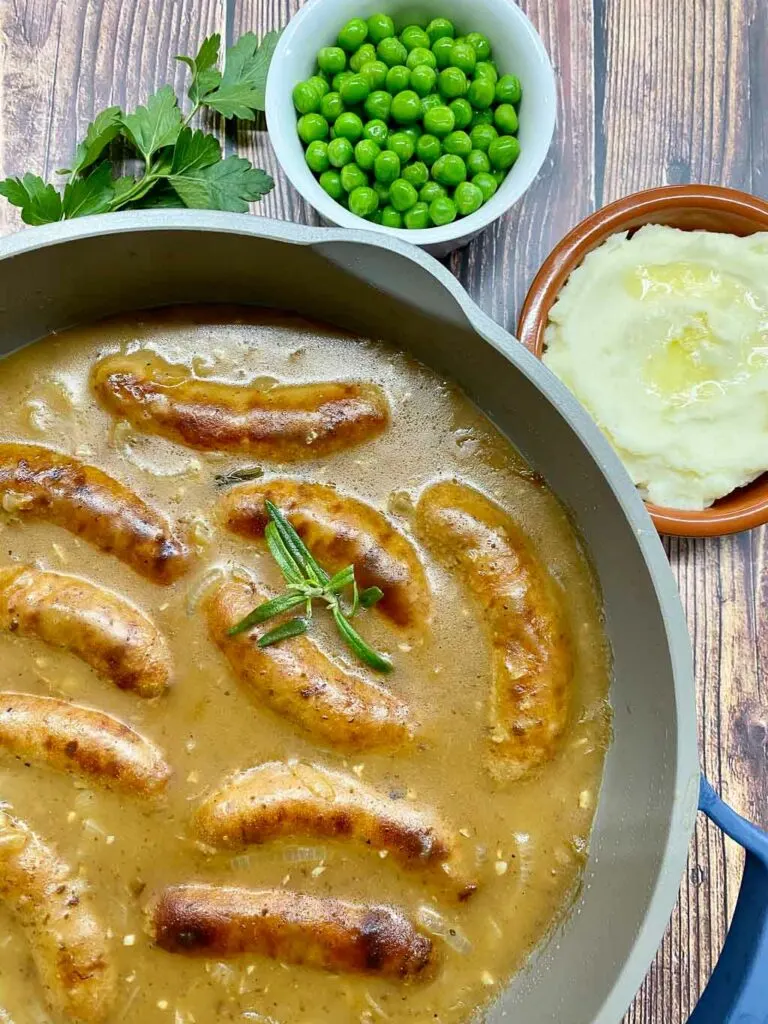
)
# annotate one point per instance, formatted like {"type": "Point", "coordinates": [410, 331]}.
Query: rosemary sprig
{"type": "Point", "coordinates": [307, 581]}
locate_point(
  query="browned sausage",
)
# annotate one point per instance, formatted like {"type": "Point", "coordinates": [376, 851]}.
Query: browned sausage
{"type": "Point", "coordinates": [72, 738]}
{"type": "Point", "coordinates": [340, 530]}
{"type": "Point", "coordinates": [69, 945]}
{"type": "Point", "coordinates": [532, 666]}
{"type": "Point", "coordinates": [279, 799]}
{"type": "Point", "coordinates": [291, 927]}
{"type": "Point", "coordinates": [286, 423]}
{"type": "Point", "coordinates": [106, 631]}
{"type": "Point", "coordinates": [298, 681]}
{"type": "Point", "coordinates": [90, 504]}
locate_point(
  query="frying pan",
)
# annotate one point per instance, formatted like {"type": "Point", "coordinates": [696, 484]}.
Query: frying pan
{"type": "Point", "coordinates": [587, 973]}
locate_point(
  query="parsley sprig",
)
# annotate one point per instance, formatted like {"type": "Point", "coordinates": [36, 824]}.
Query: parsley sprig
{"type": "Point", "coordinates": [179, 166]}
{"type": "Point", "coordinates": [307, 581]}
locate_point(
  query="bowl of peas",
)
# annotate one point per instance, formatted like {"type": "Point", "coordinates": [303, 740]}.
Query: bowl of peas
{"type": "Point", "coordinates": [424, 120]}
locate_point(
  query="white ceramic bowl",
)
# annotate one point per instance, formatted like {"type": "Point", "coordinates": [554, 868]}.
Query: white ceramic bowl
{"type": "Point", "coordinates": [517, 49]}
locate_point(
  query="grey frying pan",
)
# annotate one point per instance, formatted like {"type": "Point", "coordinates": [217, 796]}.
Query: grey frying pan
{"type": "Point", "coordinates": [77, 271]}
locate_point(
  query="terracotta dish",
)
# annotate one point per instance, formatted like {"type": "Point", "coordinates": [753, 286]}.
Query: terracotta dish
{"type": "Point", "coordinates": [689, 207]}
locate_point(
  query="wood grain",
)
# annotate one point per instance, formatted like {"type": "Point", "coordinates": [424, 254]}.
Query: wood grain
{"type": "Point", "coordinates": [650, 91]}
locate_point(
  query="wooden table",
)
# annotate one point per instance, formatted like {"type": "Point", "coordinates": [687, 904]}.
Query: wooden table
{"type": "Point", "coordinates": [651, 92]}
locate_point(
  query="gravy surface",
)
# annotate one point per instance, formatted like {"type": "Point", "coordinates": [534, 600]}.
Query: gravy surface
{"type": "Point", "coordinates": [528, 840]}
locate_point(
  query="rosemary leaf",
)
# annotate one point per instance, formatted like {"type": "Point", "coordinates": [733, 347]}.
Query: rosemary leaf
{"type": "Point", "coordinates": [363, 650]}
{"type": "Point", "coordinates": [238, 476]}
{"type": "Point", "coordinates": [285, 560]}
{"type": "Point", "coordinates": [370, 596]}
{"type": "Point", "coordinates": [296, 546]}
{"type": "Point", "coordinates": [293, 627]}
{"type": "Point", "coordinates": [268, 610]}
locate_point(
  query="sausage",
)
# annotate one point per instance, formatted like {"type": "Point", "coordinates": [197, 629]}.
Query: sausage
{"type": "Point", "coordinates": [69, 945]}
{"type": "Point", "coordinates": [288, 422]}
{"type": "Point", "coordinates": [292, 927]}
{"type": "Point", "coordinates": [532, 664]}
{"type": "Point", "coordinates": [299, 682]}
{"type": "Point", "coordinates": [279, 799]}
{"type": "Point", "coordinates": [72, 738]}
{"type": "Point", "coordinates": [62, 490]}
{"type": "Point", "coordinates": [340, 530]}
{"type": "Point", "coordinates": [111, 635]}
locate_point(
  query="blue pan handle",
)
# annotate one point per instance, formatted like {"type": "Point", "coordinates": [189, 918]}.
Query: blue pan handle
{"type": "Point", "coordinates": [737, 992]}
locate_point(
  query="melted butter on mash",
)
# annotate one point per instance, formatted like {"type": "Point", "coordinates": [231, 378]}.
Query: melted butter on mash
{"type": "Point", "coordinates": [663, 337]}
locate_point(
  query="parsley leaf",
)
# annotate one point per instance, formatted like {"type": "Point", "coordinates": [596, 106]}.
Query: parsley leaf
{"type": "Point", "coordinates": [40, 202]}
{"type": "Point", "coordinates": [94, 194]}
{"type": "Point", "coordinates": [205, 75]}
{"type": "Point", "coordinates": [101, 131]}
{"type": "Point", "coordinates": [194, 150]}
{"type": "Point", "coordinates": [227, 185]}
{"type": "Point", "coordinates": [160, 197]}
{"type": "Point", "coordinates": [157, 125]}
{"type": "Point", "coordinates": [243, 84]}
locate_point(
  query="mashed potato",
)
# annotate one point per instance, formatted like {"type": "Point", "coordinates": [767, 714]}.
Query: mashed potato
{"type": "Point", "coordinates": [663, 337]}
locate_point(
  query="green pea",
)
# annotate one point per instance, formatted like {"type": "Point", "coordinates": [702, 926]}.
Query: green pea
{"type": "Point", "coordinates": [380, 26]}
{"type": "Point", "coordinates": [485, 69]}
{"type": "Point", "coordinates": [449, 170]}
{"type": "Point", "coordinates": [468, 198]}
{"type": "Point", "coordinates": [349, 126]}
{"type": "Point", "coordinates": [376, 130]}
{"type": "Point", "coordinates": [414, 36]}
{"type": "Point", "coordinates": [321, 83]}
{"type": "Point", "coordinates": [486, 183]}
{"type": "Point", "coordinates": [386, 167]}
{"type": "Point", "coordinates": [363, 201]}
{"type": "Point", "coordinates": [417, 218]}
{"type": "Point", "coordinates": [432, 190]}
{"type": "Point", "coordinates": [414, 132]}
{"type": "Point", "coordinates": [398, 78]}
{"type": "Point", "coordinates": [375, 217]}
{"type": "Point", "coordinates": [392, 52]}
{"type": "Point", "coordinates": [330, 182]}
{"type": "Point", "coordinates": [462, 112]}
{"type": "Point", "coordinates": [331, 59]}
{"type": "Point", "coordinates": [439, 121]}
{"type": "Point", "coordinates": [354, 89]}
{"type": "Point", "coordinates": [375, 73]}
{"type": "Point", "coordinates": [482, 117]}
{"type": "Point", "coordinates": [479, 44]}
{"type": "Point", "coordinates": [481, 93]}
{"type": "Point", "coordinates": [381, 189]}
{"type": "Point", "coordinates": [477, 162]}
{"type": "Point", "coordinates": [353, 35]}
{"type": "Point", "coordinates": [317, 156]}
{"type": "Point", "coordinates": [364, 55]}
{"type": "Point", "coordinates": [339, 79]}
{"type": "Point", "coordinates": [458, 143]}
{"type": "Point", "coordinates": [340, 152]}
{"type": "Point", "coordinates": [463, 57]}
{"type": "Point", "coordinates": [452, 82]}
{"type": "Point", "coordinates": [502, 152]}
{"type": "Point", "coordinates": [423, 79]}
{"type": "Point", "coordinates": [505, 119]}
{"type": "Point", "coordinates": [306, 97]}
{"type": "Point", "coordinates": [431, 101]}
{"type": "Point", "coordinates": [482, 135]}
{"type": "Point", "coordinates": [406, 107]}
{"type": "Point", "coordinates": [378, 105]}
{"type": "Point", "coordinates": [352, 177]}
{"type": "Point", "coordinates": [440, 28]}
{"type": "Point", "coordinates": [390, 218]}
{"type": "Point", "coordinates": [311, 127]}
{"type": "Point", "coordinates": [499, 176]}
{"type": "Point", "coordinates": [442, 50]}
{"type": "Point", "coordinates": [420, 57]}
{"type": "Point", "coordinates": [402, 195]}
{"type": "Point", "coordinates": [366, 152]}
{"type": "Point", "coordinates": [442, 211]}
{"type": "Point", "coordinates": [402, 145]}
{"type": "Point", "coordinates": [428, 149]}
{"type": "Point", "coordinates": [417, 173]}
{"type": "Point", "coordinates": [509, 89]}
